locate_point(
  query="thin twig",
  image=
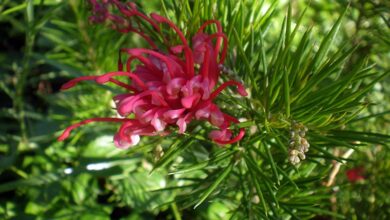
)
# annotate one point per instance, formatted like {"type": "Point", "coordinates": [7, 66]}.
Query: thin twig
{"type": "Point", "coordinates": [336, 168]}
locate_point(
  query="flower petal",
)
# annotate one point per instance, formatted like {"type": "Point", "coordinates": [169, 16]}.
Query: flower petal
{"type": "Point", "coordinates": [173, 114]}
{"type": "Point", "coordinates": [158, 123]}
{"type": "Point", "coordinates": [174, 86]}
{"type": "Point", "coordinates": [190, 101]}
{"type": "Point", "coordinates": [126, 143]}
{"type": "Point", "coordinates": [221, 135]}
{"type": "Point", "coordinates": [216, 116]}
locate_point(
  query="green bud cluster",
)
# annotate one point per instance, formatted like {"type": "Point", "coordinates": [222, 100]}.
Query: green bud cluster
{"type": "Point", "coordinates": [298, 145]}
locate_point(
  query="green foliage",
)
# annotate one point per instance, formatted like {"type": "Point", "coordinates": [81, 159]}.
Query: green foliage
{"type": "Point", "coordinates": [323, 66]}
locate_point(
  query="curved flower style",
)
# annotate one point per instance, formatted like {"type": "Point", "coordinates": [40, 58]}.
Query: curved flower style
{"type": "Point", "coordinates": [169, 89]}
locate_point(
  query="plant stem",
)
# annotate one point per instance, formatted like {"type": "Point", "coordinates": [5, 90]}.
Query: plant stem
{"type": "Point", "coordinates": [21, 76]}
{"type": "Point", "coordinates": [84, 34]}
{"type": "Point", "coordinates": [175, 211]}
{"type": "Point", "coordinates": [336, 168]}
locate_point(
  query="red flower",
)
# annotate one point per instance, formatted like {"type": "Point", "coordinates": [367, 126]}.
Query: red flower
{"type": "Point", "coordinates": [166, 89]}
{"type": "Point", "coordinates": [355, 174]}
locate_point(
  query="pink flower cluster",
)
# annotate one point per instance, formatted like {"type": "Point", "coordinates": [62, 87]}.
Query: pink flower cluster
{"type": "Point", "coordinates": [167, 89]}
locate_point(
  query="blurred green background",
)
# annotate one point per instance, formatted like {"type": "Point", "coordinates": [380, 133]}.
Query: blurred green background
{"type": "Point", "coordinates": [44, 43]}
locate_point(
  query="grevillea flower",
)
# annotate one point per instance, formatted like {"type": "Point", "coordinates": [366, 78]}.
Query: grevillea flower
{"type": "Point", "coordinates": [355, 174]}
{"type": "Point", "coordinates": [167, 90]}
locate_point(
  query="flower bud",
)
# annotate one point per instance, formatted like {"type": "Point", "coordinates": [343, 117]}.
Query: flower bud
{"type": "Point", "coordinates": [298, 144]}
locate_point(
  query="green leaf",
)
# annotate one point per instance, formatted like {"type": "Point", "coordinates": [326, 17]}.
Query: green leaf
{"type": "Point", "coordinates": [215, 184]}
{"type": "Point", "coordinates": [327, 42]}
{"type": "Point", "coordinates": [174, 150]}
{"type": "Point", "coordinates": [205, 164]}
